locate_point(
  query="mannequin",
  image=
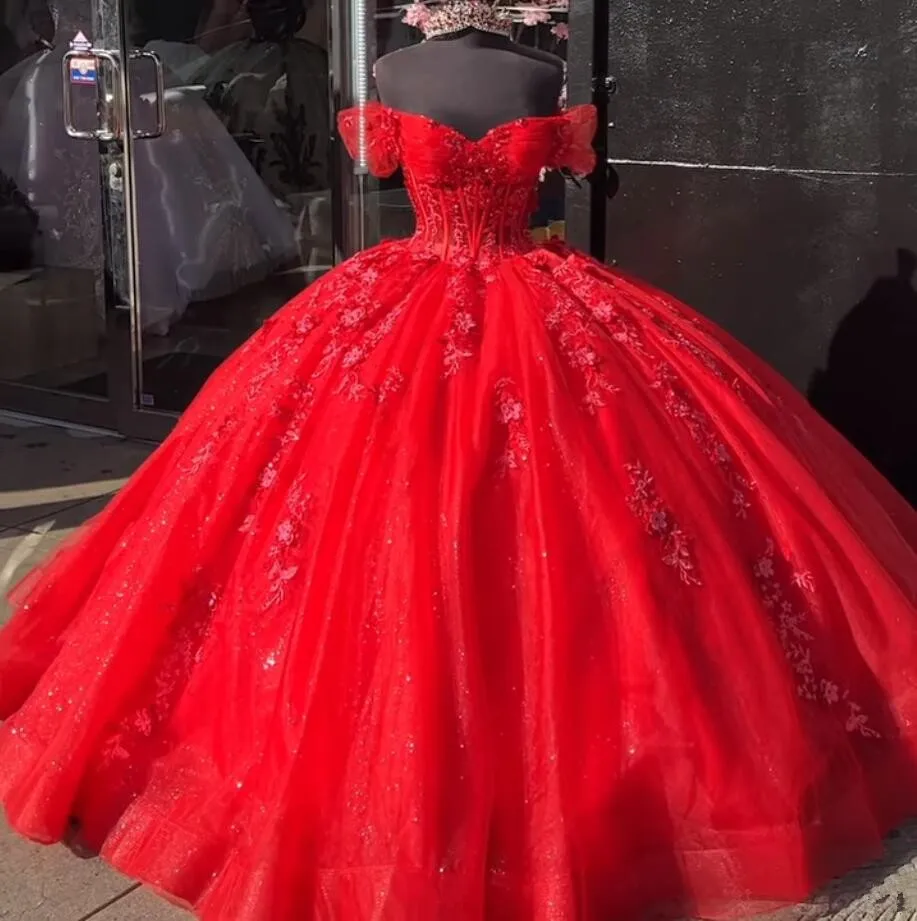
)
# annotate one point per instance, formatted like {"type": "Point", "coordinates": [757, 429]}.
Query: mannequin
{"type": "Point", "coordinates": [472, 78]}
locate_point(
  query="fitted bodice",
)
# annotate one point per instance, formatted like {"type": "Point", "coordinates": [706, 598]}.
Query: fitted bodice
{"type": "Point", "coordinates": [472, 198]}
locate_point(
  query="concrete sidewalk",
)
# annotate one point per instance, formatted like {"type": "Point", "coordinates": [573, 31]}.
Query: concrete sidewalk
{"type": "Point", "coordinates": [50, 482]}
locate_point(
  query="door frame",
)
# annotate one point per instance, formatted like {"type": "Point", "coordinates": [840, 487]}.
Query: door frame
{"type": "Point", "coordinates": [125, 334]}
{"type": "Point", "coordinates": [60, 405]}
{"type": "Point", "coordinates": [589, 81]}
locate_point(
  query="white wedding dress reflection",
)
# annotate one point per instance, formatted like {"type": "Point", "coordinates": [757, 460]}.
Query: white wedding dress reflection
{"type": "Point", "coordinates": [272, 97]}
{"type": "Point", "coordinates": [274, 93]}
{"type": "Point", "coordinates": [208, 225]}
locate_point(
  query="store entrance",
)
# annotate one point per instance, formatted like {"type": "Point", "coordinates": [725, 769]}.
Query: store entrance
{"type": "Point", "coordinates": [169, 178]}
{"type": "Point", "coordinates": [153, 216]}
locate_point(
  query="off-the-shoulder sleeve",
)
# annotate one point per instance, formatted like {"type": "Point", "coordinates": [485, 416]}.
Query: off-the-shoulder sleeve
{"type": "Point", "coordinates": [370, 134]}
{"type": "Point", "coordinates": [576, 131]}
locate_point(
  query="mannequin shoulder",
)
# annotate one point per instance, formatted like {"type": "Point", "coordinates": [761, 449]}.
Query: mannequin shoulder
{"type": "Point", "coordinates": [540, 72]}
{"type": "Point", "coordinates": [395, 59]}
{"type": "Point", "coordinates": [544, 58]}
{"type": "Point", "coordinates": [511, 77]}
{"type": "Point", "coordinates": [423, 52]}
{"type": "Point", "coordinates": [395, 72]}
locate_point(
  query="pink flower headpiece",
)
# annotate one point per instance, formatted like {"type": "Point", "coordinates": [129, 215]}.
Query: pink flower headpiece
{"type": "Point", "coordinates": [445, 17]}
{"type": "Point", "coordinates": [456, 15]}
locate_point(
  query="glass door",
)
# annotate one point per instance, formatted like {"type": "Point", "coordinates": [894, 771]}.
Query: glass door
{"type": "Point", "coordinates": [61, 209]}
{"type": "Point", "coordinates": [230, 159]}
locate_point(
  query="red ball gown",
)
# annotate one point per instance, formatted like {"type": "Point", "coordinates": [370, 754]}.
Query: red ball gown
{"type": "Point", "coordinates": [484, 583]}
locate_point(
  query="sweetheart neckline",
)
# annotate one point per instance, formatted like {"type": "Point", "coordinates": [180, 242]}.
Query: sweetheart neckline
{"type": "Point", "coordinates": [503, 126]}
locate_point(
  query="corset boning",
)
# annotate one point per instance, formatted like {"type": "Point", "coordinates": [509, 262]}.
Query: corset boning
{"type": "Point", "coordinates": [470, 224]}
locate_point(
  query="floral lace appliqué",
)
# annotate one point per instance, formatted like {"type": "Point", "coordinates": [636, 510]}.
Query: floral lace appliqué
{"type": "Point", "coordinates": [577, 338]}
{"type": "Point", "coordinates": [465, 294]}
{"type": "Point", "coordinates": [458, 342]}
{"type": "Point", "coordinates": [285, 548]}
{"type": "Point", "coordinates": [511, 413]}
{"type": "Point", "coordinates": [681, 406]}
{"type": "Point", "coordinates": [362, 320]}
{"type": "Point", "coordinates": [392, 383]}
{"type": "Point", "coordinates": [645, 502]}
{"type": "Point", "coordinates": [790, 619]}
{"type": "Point", "coordinates": [628, 334]}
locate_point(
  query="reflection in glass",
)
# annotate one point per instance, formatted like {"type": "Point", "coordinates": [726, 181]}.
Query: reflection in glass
{"type": "Point", "coordinates": [247, 124]}
{"type": "Point", "coordinates": [233, 201]}
{"type": "Point", "coordinates": [52, 323]}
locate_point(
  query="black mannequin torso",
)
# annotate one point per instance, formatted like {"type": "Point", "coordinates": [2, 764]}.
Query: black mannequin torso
{"type": "Point", "coordinates": [471, 80]}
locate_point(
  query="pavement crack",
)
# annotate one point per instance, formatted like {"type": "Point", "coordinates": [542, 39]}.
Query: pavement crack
{"type": "Point", "coordinates": [112, 901]}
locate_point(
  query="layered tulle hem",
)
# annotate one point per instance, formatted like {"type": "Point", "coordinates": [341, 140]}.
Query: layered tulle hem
{"type": "Point", "coordinates": [773, 871]}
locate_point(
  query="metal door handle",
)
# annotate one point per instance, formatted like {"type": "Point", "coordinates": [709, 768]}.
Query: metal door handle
{"type": "Point", "coordinates": [108, 106]}
{"type": "Point", "coordinates": [137, 55]}
{"type": "Point", "coordinates": [605, 86]}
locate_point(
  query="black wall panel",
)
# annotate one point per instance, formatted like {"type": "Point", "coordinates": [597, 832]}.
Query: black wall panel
{"type": "Point", "coordinates": [767, 159]}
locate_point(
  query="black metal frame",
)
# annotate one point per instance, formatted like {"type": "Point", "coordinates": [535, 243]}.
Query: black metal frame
{"type": "Point", "coordinates": [116, 272]}
{"type": "Point", "coordinates": [588, 80]}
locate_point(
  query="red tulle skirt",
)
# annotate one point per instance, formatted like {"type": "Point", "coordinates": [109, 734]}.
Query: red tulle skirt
{"type": "Point", "coordinates": [526, 596]}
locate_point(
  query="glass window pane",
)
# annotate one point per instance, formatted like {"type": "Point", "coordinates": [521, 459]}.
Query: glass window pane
{"type": "Point", "coordinates": [52, 319]}
{"type": "Point", "coordinates": [234, 200]}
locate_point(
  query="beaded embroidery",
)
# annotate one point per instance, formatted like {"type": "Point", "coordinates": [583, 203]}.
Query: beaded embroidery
{"type": "Point", "coordinates": [511, 413]}
{"type": "Point", "coordinates": [646, 504]}
{"type": "Point", "coordinates": [797, 642]}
